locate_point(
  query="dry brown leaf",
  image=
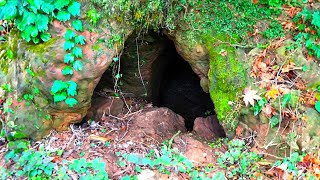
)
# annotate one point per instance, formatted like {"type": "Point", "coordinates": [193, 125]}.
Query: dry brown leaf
{"type": "Point", "coordinates": [98, 138]}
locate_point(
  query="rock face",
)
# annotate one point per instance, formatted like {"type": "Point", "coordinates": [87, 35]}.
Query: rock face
{"type": "Point", "coordinates": [160, 123]}
{"type": "Point", "coordinates": [208, 128]}
{"type": "Point", "coordinates": [46, 61]}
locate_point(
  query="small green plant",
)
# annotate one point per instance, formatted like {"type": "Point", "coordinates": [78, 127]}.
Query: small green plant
{"type": "Point", "coordinates": [39, 164]}
{"type": "Point", "coordinates": [310, 20]}
{"type": "Point", "coordinates": [93, 16]}
{"type": "Point", "coordinates": [275, 30]}
{"type": "Point", "coordinates": [169, 159]}
{"type": "Point", "coordinates": [238, 160]}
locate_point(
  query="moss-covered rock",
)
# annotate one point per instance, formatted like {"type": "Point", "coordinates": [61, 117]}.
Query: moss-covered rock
{"type": "Point", "coordinates": [227, 75]}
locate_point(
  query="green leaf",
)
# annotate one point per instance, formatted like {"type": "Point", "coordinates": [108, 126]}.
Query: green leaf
{"type": "Point", "coordinates": [10, 54]}
{"type": "Point", "coordinates": [36, 91]}
{"type": "Point", "coordinates": [77, 24]}
{"type": "Point", "coordinates": [72, 89]}
{"type": "Point", "coordinates": [318, 88]}
{"type": "Point", "coordinates": [61, 3]}
{"type": "Point", "coordinates": [77, 65]}
{"type": "Point", "coordinates": [47, 7]}
{"type": "Point", "coordinates": [74, 9]}
{"type": "Point", "coordinates": [274, 121]}
{"type": "Point", "coordinates": [316, 18]}
{"type": "Point", "coordinates": [317, 106]}
{"type": "Point", "coordinates": [28, 18]}
{"type": "Point", "coordinates": [35, 5]}
{"type": "Point", "coordinates": [59, 97]}
{"type": "Point", "coordinates": [80, 40]}
{"type": "Point", "coordinates": [68, 45]}
{"type": "Point", "coordinates": [42, 22]}
{"type": "Point", "coordinates": [304, 68]}
{"type": "Point", "coordinates": [77, 51]}
{"type": "Point", "coordinates": [11, 12]}
{"type": "Point", "coordinates": [3, 2]}
{"type": "Point", "coordinates": [67, 70]}
{"type": "Point", "coordinates": [45, 36]}
{"type": "Point", "coordinates": [69, 34]}
{"type": "Point", "coordinates": [63, 16]}
{"type": "Point", "coordinates": [26, 34]}
{"type": "Point", "coordinates": [285, 100]}
{"type": "Point", "coordinates": [33, 31]}
{"type": "Point", "coordinates": [35, 40]}
{"type": "Point", "coordinates": [58, 85]}
{"type": "Point", "coordinates": [115, 59]}
{"type": "Point", "coordinates": [68, 58]}
{"type": "Point", "coordinates": [306, 13]}
{"type": "Point", "coordinates": [71, 102]}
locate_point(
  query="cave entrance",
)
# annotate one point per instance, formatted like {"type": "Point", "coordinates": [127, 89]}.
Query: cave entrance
{"type": "Point", "coordinates": [168, 80]}
{"type": "Point", "coordinates": [176, 86]}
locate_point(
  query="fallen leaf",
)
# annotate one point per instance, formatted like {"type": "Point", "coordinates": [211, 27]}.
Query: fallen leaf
{"type": "Point", "coordinates": [272, 94]}
{"type": "Point", "coordinates": [239, 130]}
{"type": "Point", "coordinates": [249, 96]}
{"type": "Point", "coordinates": [98, 138]}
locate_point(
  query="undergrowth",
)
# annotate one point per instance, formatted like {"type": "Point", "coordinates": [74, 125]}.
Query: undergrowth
{"type": "Point", "coordinates": [42, 164]}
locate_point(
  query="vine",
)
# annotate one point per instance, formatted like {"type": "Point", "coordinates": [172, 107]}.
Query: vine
{"type": "Point", "coordinates": [32, 19]}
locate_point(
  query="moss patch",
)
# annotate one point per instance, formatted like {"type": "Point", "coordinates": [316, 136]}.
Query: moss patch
{"type": "Point", "coordinates": [227, 76]}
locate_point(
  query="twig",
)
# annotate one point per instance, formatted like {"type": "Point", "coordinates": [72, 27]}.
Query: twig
{"type": "Point", "coordinates": [144, 86]}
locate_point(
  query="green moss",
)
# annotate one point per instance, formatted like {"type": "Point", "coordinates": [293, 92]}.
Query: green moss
{"type": "Point", "coordinates": [227, 76]}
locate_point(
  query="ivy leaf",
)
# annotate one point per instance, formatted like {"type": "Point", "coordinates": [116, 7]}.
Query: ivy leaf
{"type": "Point", "coordinates": [77, 65]}
{"type": "Point", "coordinates": [274, 121]}
{"type": "Point", "coordinates": [68, 45]}
{"type": "Point", "coordinates": [3, 2]}
{"type": "Point", "coordinates": [42, 22]}
{"type": "Point", "coordinates": [80, 40]}
{"type": "Point", "coordinates": [67, 70]}
{"type": "Point", "coordinates": [316, 18]}
{"type": "Point", "coordinates": [304, 68]}
{"type": "Point", "coordinates": [33, 31]}
{"type": "Point", "coordinates": [72, 89]}
{"type": "Point", "coordinates": [28, 18]}
{"type": "Point", "coordinates": [61, 3]}
{"type": "Point", "coordinates": [69, 34]}
{"type": "Point", "coordinates": [36, 91]}
{"type": "Point", "coordinates": [68, 58]}
{"type": "Point", "coordinates": [77, 24]}
{"type": "Point", "coordinates": [306, 13]}
{"type": "Point", "coordinates": [26, 34]}
{"type": "Point", "coordinates": [317, 106]}
{"type": "Point", "coordinates": [59, 97]}
{"type": "Point", "coordinates": [71, 102]}
{"type": "Point", "coordinates": [58, 85]}
{"type": "Point", "coordinates": [35, 40]}
{"type": "Point", "coordinates": [77, 52]}
{"type": "Point", "coordinates": [45, 37]}
{"type": "Point", "coordinates": [286, 99]}
{"type": "Point", "coordinates": [63, 16]}
{"type": "Point", "coordinates": [11, 12]}
{"type": "Point", "coordinates": [47, 7]}
{"type": "Point", "coordinates": [74, 9]}
{"type": "Point", "coordinates": [35, 5]}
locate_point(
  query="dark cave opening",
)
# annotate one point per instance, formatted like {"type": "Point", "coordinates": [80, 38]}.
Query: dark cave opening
{"type": "Point", "coordinates": [170, 80]}
{"type": "Point", "coordinates": [176, 86]}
